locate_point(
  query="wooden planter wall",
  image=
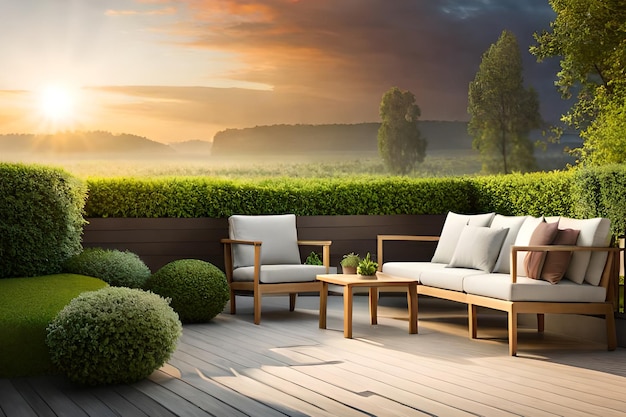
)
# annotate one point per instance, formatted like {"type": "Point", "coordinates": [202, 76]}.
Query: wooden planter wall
{"type": "Point", "coordinates": [159, 241]}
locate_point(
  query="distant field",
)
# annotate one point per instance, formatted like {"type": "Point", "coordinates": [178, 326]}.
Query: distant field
{"type": "Point", "coordinates": [438, 163]}
{"type": "Point", "coordinates": [449, 163]}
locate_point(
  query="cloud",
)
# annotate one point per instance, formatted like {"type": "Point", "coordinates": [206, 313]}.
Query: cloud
{"type": "Point", "coordinates": [362, 48]}
{"type": "Point", "coordinates": [156, 12]}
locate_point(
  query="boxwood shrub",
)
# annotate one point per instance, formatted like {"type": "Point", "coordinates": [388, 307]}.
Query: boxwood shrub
{"type": "Point", "coordinates": [198, 289]}
{"type": "Point", "coordinates": [113, 335]}
{"type": "Point", "coordinates": [42, 219]}
{"type": "Point", "coordinates": [575, 193]}
{"type": "Point", "coordinates": [117, 268]}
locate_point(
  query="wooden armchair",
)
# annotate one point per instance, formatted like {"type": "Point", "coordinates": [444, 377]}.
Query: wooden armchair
{"type": "Point", "coordinates": [262, 256]}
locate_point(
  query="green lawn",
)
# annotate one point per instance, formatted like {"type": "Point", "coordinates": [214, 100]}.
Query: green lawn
{"type": "Point", "coordinates": [27, 305]}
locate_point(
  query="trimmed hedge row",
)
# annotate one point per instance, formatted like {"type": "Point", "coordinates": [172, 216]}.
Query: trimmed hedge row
{"type": "Point", "coordinates": [537, 193]}
{"type": "Point", "coordinates": [575, 193]}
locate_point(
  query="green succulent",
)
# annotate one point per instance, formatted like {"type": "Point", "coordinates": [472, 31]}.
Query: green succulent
{"type": "Point", "coordinates": [367, 266]}
{"type": "Point", "coordinates": [351, 260]}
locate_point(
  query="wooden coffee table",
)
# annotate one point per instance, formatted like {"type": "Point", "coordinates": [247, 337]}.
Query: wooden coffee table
{"type": "Point", "coordinates": [351, 281]}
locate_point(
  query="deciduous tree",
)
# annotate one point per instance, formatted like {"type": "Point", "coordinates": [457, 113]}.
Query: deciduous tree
{"type": "Point", "coordinates": [502, 111]}
{"type": "Point", "coordinates": [400, 143]}
{"type": "Point", "coordinates": [589, 36]}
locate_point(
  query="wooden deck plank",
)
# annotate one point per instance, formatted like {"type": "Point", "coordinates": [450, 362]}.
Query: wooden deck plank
{"type": "Point", "coordinates": [12, 403]}
{"type": "Point", "coordinates": [287, 366]}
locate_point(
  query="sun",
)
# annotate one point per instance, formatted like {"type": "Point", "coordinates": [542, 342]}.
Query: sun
{"type": "Point", "coordinates": [57, 104]}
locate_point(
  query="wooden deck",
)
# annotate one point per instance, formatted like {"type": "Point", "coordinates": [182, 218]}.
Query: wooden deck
{"type": "Point", "coordinates": [288, 366]}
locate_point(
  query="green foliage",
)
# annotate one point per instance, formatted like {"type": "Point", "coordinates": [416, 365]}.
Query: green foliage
{"type": "Point", "coordinates": [117, 268]}
{"type": "Point", "coordinates": [400, 143]}
{"type": "Point", "coordinates": [350, 260]}
{"type": "Point", "coordinates": [534, 194]}
{"type": "Point", "coordinates": [605, 139]}
{"type": "Point", "coordinates": [313, 259]}
{"type": "Point", "coordinates": [502, 112]}
{"type": "Point", "coordinates": [589, 37]}
{"type": "Point", "coordinates": [216, 198]}
{"type": "Point", "coordinates": [27, 306]}
{"type": "Point", "coordinates": [198, 289]}
{"type": "Point", "coordinates": [367, 266]}
{"type": "Point", "coordinates": [113, 335]}
{"type": "Point", "coordinates": [41, 210]}
{"type": "Point", "coordinates": [601, 192]}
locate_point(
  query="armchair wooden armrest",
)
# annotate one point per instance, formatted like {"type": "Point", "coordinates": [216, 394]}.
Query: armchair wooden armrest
{"type": "Point", "coordinates": [413, 238]}
{"type": "Point", "coordinates": [325, 244]}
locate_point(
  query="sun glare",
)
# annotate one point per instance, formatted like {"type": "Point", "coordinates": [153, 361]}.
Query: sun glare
{"type": "Point", "coordinates": [57, 104]}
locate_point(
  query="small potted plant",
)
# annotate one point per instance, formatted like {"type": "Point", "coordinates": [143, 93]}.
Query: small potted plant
{"type": "Point", "coordinates": [367, 268]}
{"type": "Point", "coordinates": [349, 263]}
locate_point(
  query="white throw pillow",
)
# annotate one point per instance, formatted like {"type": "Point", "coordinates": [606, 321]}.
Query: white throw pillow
{"type": "Point", "coordinates": [587, 266]}
{"type": "Point", "coordinates": [277, 233]}
{"type": "Point", "coordinates": [523, 239]}
{"type": "Point", "coordinates": [451, 231]}
{"type": "Point", "coordinates": [514, 224]}
{"type": "Point", "coordinates": [478, 248]}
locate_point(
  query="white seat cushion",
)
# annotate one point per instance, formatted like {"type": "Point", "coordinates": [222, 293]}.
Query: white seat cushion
{"type": "Point", "coordinates": [274, 274]}
{"type": "Point", "coordinates": [587, 266]}
{"type": "Point", "coordinates": [451, 231]}
{"type": "Point", "coordinates": [448, 278]}
{"type": "Point", "coordinates": [412, 270]}
{"type": "Point", "coordinates": [528, 289]}
{"type": "Point", "coordinates": [277, 233]}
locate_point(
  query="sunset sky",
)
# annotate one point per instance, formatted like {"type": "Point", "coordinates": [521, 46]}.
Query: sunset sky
{"type": "Point", "coordinates": [175, 70]}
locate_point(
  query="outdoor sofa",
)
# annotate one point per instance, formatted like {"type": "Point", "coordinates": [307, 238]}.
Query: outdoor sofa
{"type": "Point", "coordinates": [481, 260]}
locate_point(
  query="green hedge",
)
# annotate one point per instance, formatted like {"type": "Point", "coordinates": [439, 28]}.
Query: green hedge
{"type": "Point", "coordinates": [41, 212]}
{"type": "Point", "coordinates": [572, 193]}
{"type": "Point", "coordinates": [208, 197]}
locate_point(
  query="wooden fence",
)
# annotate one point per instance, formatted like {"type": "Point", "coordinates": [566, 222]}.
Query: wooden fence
{"type": "Point", "coordinates": [159, 241]}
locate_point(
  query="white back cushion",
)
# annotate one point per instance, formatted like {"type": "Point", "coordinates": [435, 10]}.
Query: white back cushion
{"type": "Point", "coordinates": [277, 232]}
{"type": "Point", "coordinates": [523, 239]}
{"type": "Point", "coordinates": [514, 224]}
{"type": "Point", "coordinates": [478, 248]}
{"type": "Point", "coordinates": [451, 231]}
{"type": "Point", "coordinates": [587, 266]}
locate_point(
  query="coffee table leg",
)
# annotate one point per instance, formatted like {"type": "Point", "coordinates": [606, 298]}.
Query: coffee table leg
{"type": "Point", "coordinates": [323, 304]}
{"type": "Point", "coordinates": [373, 305]}
{"type": "Point", "coordinates": [412, 308]}
{"type": "Point", "coordinates": [347, 312]}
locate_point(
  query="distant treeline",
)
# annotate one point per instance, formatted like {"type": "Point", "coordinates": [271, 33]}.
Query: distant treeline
{"type": "Point", "coordinates": [71, 143]}
{"type": "Point", "coordinates": [362, 137]}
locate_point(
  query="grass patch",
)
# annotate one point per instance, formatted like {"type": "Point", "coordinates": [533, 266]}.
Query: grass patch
{"type": "Point", "coordinates": [27, 306]}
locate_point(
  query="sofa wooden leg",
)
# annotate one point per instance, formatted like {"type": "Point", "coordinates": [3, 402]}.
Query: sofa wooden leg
{"type": "Point", "coordinates": [292, 301]}
{"type": "Point", "coordinates": [472, 313]}
{"type": "Point", "coordinates": [512, 333]}
{"type": "Point", "coordinates": [541, 322]}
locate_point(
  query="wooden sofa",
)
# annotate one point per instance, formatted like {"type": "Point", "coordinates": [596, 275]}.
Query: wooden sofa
{"type": "Point", "coordinates": [505, 288]}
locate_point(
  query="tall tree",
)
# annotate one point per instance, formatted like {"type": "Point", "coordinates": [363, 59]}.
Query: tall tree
{"type": "Point", "coordinates": [502, 111]}
{"type": "Point", "coordinates": [589, 36]}
{"type": "Point", "coordinates": [400, 143]}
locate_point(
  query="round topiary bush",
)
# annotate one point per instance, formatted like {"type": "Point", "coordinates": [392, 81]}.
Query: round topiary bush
{"type": "Point", "coordinates": [117, 268]}
{"type": "Point", "coordinates": [113, 335]}
{"type": "Point", "coordinates": [198, 289]}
